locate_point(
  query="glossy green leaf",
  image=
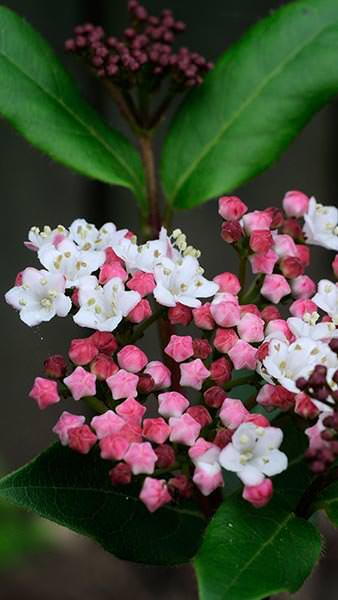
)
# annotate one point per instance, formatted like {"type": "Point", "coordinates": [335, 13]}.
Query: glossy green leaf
{"type": "Point", "coordinates": [41, 101]}
{"type": "Point", "coordinates": [328, 501]}
{"type": "Point", "coordinates": [75, 491]}
{"type": "Point", "coordinates": [253, 103]}
{"type": "Point", "coordinates": [249, 554]}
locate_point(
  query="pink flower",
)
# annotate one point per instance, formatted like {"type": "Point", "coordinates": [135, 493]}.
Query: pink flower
{"type": "Point", "coordinates": [220, 370]}
{"type": "Point", "coordinates": [203, 317]}
{"type": "Point", "coordinates": [141, 312]}
{"type": "Point", "coordinates": [303, 254]}
{"type": "Point", "coordinates": [275, 396]}
{"type": "Point", "coordinates": [251, 328]}
{"type": "Point", "coordinates": [81, 383]}
{"type": "Point", "coordinates": [270, 312]}
{"type": "Point", "coordinates": [103, 367]}
{"type": "Point", "coordinates": [200, 447]}
{"type": "Point", "coordinates": [231, 208]}
{"type": "Point", "coordinates": [258, 495]}
{"type": "Point", "coordinates": [258, 219]}
{"type": "Point", "coordinates": [284, 245]}
{"type": "Point", "coordinates": [172, 404]}
{"type": "Point", "coordinates": [225, 339]}
{"type": "Point", "coordinates": [233, 413]}
{"type": "Point", "coordinates": [202, 348]}
{"type": "Point", "coordinates": [279, 326]}
{"type": "Point", "coordinates": [113, 447]}
{"type": "Point", "coordinates": [303, 287]}
{"type": "Point", "coordinates": [154, 493]}
{"type": "Point", "coordinates": [226, 312]}
{"type": "Point", "coordinates": [261, 241]}
{"type": "Point", "coordinates": [156, 430]}
{"type": "Point", "coordinates": [146, 384]}
{"type": "Point", "coordinates": [107, 424]}
{"type": "Point", "coordinates": [82, 351]}
{"type": "Point", "coordinates": [132, 359]}
{"type": "Point", "coordinates": [143, 283]}
{"type": "Point", "coordinates": [295, 203]}
{"type": "Point", "coordinates": [66, 422]}
{"type": "Point", "coordinates": [81, 439]}
{"type": "Point", "coordinates": [141, 458]}
{"type": "Point", "coordinates": [160, 374]}
{"type": "Point", "coordinates": [104, 341]}
{"type": "Point", "coordinates": [335, 265]}
{"type": "Point", "coordinates": [180, 347]}
{"type": "Point", "coordinates": [299, 307]}
{"type": "Point", "coordinates": [200, 414]}
{"type": "Point", "coordinates": [305, 407]}
{"type": "Point", "coordinates": [120, 474]}
{"type": "Point", "coordinates": [208, 477]}
{"type": "Point", "coordinates": [165, 456]}
{"type": "Point", "coordinates": [243, 355]}
{"type": "Point", "coordinates": [193, 374]}
{"type": "Point", "coordinates": [110, 270]}
{"type": "Point", "coordinates": [228, 282]}
{"type": "Point", "coordinates": [123, 384]}
{"type": "Point", "coordinates": [180, 314]}
{"type": "Point", "coordinates": [222, 438]}
{"type": "Point", "coordinates": [131, 411]}
{"type": "Point", "coordinates": [181, 485]}
{"type": "Point", "coordinates": [184, 430]}
{"type": "Point", "coordinates": [275, 287]}
{"type": "Point", "coordinates": [44, 392]}
{"type": "Point", "coordinates": [251, 309]}
{"type": "Point", "coordinates": [214, 396]}
{"type": "Point", "coordinates": [55, 366]}
{"type": "Point", "coordinates": [291, 267]}
{"type": "Point", "coordinates": [231, 232]}
{"type": "Point", "coordinates": [263, 263]}
{"type": "Point", "coordinates": [257, 419]}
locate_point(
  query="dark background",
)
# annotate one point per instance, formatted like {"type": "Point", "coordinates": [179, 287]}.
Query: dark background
{"type": "Point", "coordinates": [36, 191]}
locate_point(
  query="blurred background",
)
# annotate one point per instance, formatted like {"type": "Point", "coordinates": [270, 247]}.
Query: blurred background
{"type": "Point", "coordinates": [38, 560]}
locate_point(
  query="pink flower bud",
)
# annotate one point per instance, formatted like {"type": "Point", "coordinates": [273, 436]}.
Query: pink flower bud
{"type": "Point", "coordinates": [120, 474]}
{"type": "Point", "coordinates": [154, 493]}
{"type": "Point", "coordinates": [263, 263]}
{"type": "Point", "coordinates": [66, 422]}
{"type": "Point", "coordinates": [44, 392]}
{"type": "Point", "coordinates": [81, 439]}
{"type": "Point", "coordinates": [172, 404]}
{"type": "Point", "coordinates": [258, 420]}
{"type": "Point", "coordinates": [141, 312]}
{"type": "Point", "coordinates": [270, 312]}
{"type": "Point", "coordinates": [202, 348]}
{"type": "Point", "coordinates": [132, 359]}
{"type": "Point", "coordinates": [160, 374]}
{"type": "Point", "coordinates": [156, 430]}
{"type": "Point", "coordinates": [261, 241]}
{"type": "Point", "coordinates": [105, 342]}
{"type": "Point", "coordinates": [207, 477]}
{"type": "Point", "coordinates": [200, 414]}
{"type": "Point", "coordinates": [251, 328]}
{"type": "Point", "coordinates": [243, 355]}
{"type": "Point", "coordinates": [110, 270]}
{"type": "Point", "coordinates": [141, 458]}
{"type": "Point", "coordinates": [131, 411]}
{"type": "Point", "coordinates": [258, 495]}
{"type": "Point", "coordinates": [181, 485]}
{"type": "Point", "coordinates": [193, 374]}
{"type": "Point", "coordinates": [107, 424]}
{"type": "Point", "coordinates": [276, 215]}
{"type": "Point", "coordinates": [184, 430]}
{"type": "Point", "coordinates": [75, 297]}
{"type": "Point", "coordinates": [303, 287]}
{"type": "Point", "coordinates": [275, 396]}
{"type": "Point", "coordinates": [180, 347]}
{"type": "Point", "coordinates": [180, 314]}
{"type": "Point", "coordinates": [81, 383]}
{"type": "Point", "coordinates": [203, 317]}
{"type": "Point", "coordinates": [225, 313]}
{"type": "Point", "coordinates": [220, 370]}
{"type": "Point", "coordinates": [214, 396]}
{"type": "Point", "coordinates": [113, 446]}
{"type": "Point", "coordinates": [143, 283]}
{"type": "Point", "coordinates": [275, 287]}
{"type": "Point", "coordinates": [231, 208]}
{"type": "Point", "coordinates": [19, 279]}
{"type": "Point", "coordinates": [279, 326]}
{"type": "Point", "coordinates": [222, 438]}
{"type": "Point", "coordinates": [165, 456]}
{"type": "Point", "coordinates": [111, 257]}
{"type": "Point", "coordinates": [258, 219]}
{"type": "Point", "coordinates": [146, 384]}
{"type": "Point", "coordinates": [233, 413]}
{"type": "Point", "coordinates": [303, 254]}
{"type": "Point", "coordinates": [293, 228]}
{"type": "Point", "coordinates": [305, 407]}
{"type": "Point", "coordinates": [299, 307]}
{"type": "Point", "coordinates": [225, 339]}
{"type": "Point", "coordinates": [228, 282]}
{"type": "Point", "coordinates": [103, 367]}
{"type": "Point", "coordinates": [263, 351]}
{"type": "Point", "coordinates": [82, 351]}
{"type": "Point", "coordinates": [132, 432]}
{"type": "Point", "coordinates": [123, 384]}
{"type": "Point", "coordinates": [335, 265]}
{"type": "Point", "coordinates": [231, 232]}
{"type": "Point", "coordinates": [55, 366]}
{"type": "Point", "coordinates": [295, 203]}
{"type": "Point", "coordinates": [284, 246]}
{"type": "Point", "coordinates": [291, 267]}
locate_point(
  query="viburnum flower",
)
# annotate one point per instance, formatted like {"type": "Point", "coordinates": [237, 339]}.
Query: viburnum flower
{"type": "Point", "coordinates": [309, 327]}
{"type": "Point", "coordinates": [38, 238]}
{"type": "Point", "coordinates": [103, 307]}
{"type": "Point", "coordinates": [326, 298]}
{"type": "Point", "coordinates": [253, 453]}
{"type": "Point", "coordinates": [321, 225]}
{"type": "Point", "coordinates": [40, 297]}
{"type": "Point", "coordinates": [88, 237]}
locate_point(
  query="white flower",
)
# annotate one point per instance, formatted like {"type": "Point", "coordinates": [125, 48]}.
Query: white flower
{"type": "Point", "coordinates": [40, 297]}
{"type": "Point", "coordinates": [103, 307]}
{"type": "Point", "coordinates": [70, 261]}
{"type": "Point", "coordinates": [308, 327]}
{"type": "Point", "coordinates": [285, 362]}
{"type": "Point", "coordinates": [327, 298]}
{"type": "Point", "coordinates": [88, 237]}
{"type": "Point", "coordinates": [145, 256]}
{"type": "Point", "coordinates": [321, 225]}
{"type": "Point", "coordinates": [181, 282]}
{"type": "Point", "coordinates": [38, 238]}
{"type": "Point", "coordinates": [253, 453]}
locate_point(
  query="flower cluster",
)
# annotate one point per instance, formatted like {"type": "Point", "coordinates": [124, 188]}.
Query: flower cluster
{"type": "Point", "coordinates": [176, 425]}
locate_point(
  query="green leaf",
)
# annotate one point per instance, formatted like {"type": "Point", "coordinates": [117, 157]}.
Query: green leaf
{"type": "Point", "coordinates": [327, 500]}
{"type": "Point", "coordinates": [75, 491]}
{"type": "Point", "coordinates": [249, 554]}
{"type": "Point", "coordinates": [253, 103]}
{"type": "Point", "coordinates": [19, 535]}
{"type": "Point", "coordinates": [41, 101]}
